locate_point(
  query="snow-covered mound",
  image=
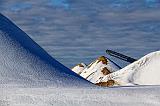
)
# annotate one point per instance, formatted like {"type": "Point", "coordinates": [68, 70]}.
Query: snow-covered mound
{"type": "Point", "coordinates": [23, 62]}
{"type": "Point", "coordinates": [145, 71]}
{"type": "Point", "coordinates": [79, 68]}
{"type": "Point", "coordinates": [95, 71]}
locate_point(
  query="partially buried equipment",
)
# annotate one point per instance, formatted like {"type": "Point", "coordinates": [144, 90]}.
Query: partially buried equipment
{"type": "Point", "coordinates": [120, 56]}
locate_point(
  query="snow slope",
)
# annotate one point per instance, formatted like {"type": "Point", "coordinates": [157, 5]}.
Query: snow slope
{"type": "Point", "coordinates": [145, 71]}
{"type": "Point", "coordinates": [23, 62]}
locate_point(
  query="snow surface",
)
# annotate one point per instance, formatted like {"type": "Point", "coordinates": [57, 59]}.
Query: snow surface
{"type": "Point", "coordinates": [135, 96]}
{"type": "Point", "coordinates": [145, 71]}
{"type": "Point", "coordinates": [30, 77]}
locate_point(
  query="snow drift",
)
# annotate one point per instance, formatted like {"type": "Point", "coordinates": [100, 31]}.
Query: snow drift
{"type": "Point", "coordinates": [145, 71]}
{"type": "Point", "coordinates": [23, 62]}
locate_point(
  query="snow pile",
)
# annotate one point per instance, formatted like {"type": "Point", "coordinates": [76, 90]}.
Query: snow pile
{"type": "Point", "coordinates": [25, 63]}
{"type": "Point", "coordinates": [95, 71]}
{"type": "Point", "coordinates": [145, 71]}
